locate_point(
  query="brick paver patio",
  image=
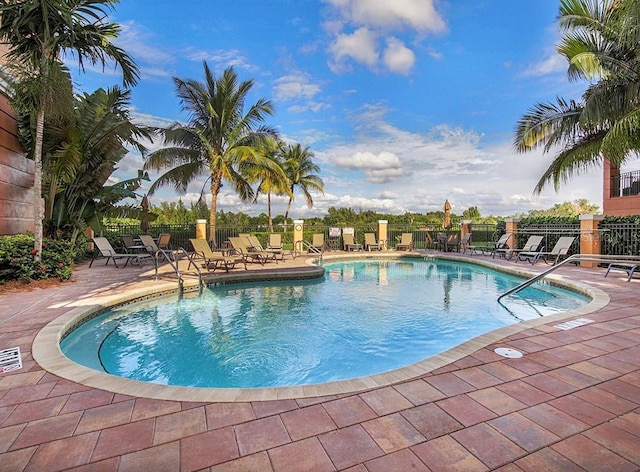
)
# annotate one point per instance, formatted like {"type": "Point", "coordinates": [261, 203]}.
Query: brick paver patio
{"type": "Point", "coordinates": [571, 403]}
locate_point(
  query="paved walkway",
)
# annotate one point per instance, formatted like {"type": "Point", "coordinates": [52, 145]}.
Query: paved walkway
{"type": "Point", "coordinates": [571, 404]}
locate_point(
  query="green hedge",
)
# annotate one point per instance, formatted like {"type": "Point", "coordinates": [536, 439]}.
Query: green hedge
{"type": "Point", "coordinates": [17, 261]}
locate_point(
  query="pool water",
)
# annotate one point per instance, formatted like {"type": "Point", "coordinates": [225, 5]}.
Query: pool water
{"type": "Point", "coordinates": [363, 318]}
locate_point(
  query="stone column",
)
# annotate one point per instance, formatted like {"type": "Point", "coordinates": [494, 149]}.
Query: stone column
{"type": "Point", "coordinates": [298, 236]}
{"type": "Point", "coordinates": [201, 229]}
{"type": "Point", "coordinates": [590, 237]}
{"type": "Point", "coordinates": [383, 234]}
{"type": "Point", "coordinates": [512, 231]}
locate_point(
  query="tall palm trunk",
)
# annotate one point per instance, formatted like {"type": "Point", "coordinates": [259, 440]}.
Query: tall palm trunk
{"type": "Point", "coordinates": [37, 184]}
{"type": "Point", "coordinates": [216, 184]}
{"type": "Point", "coordinates": [269, 210]}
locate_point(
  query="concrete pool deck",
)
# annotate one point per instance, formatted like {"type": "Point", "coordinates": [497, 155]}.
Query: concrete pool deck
{"type": "Point", "coordinates": [570, 403]}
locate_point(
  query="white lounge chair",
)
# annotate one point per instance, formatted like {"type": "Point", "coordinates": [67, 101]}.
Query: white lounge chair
{"type": "Point", "coordinates": [532, 245]}
{"type": "Point", "coordinates": [106, 250]}
{"type": "Point", "coordinates": [559, 251]}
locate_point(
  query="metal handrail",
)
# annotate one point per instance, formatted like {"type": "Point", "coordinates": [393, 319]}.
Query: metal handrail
{"type": "Point", "coordinates": [302, 244]}
{"type": "Point", "coordinates": [610, 259]}
{"type": "Point", "coordinates": [173, 261]}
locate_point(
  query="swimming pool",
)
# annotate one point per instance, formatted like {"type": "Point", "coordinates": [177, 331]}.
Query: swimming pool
{"type": "Point", "coordinates": [363, 318]}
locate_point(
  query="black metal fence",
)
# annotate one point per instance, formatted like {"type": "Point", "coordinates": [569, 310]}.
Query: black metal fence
{"type": "Point", "coordinates": [620, 239]}
{"type": "Point", "coordinates": [625, 184]}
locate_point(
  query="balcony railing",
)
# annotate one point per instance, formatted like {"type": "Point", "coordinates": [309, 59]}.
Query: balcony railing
{"type": "Point", "coordinates": [625, 184]}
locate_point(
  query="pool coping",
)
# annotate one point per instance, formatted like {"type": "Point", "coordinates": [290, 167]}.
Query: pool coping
{"type": "Point", "coordinates": [46, 346]}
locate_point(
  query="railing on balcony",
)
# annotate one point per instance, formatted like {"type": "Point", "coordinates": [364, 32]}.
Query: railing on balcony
{"type": "Point", "coordinates": [625, 184]}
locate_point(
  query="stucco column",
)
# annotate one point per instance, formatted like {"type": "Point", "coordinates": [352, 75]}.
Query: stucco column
{"type": "Point", "coordinates": [512, 231]}
{"type": "Point", "coordinates": [465, 228]}
{"type": "Point", "coordinates": [383, 234]}
{"type": "Point", "coordinates": [89, 233]}
{"type": "Point", "coordinates": [201, 229]}
{"type": "Point", "coordinates": [590, 237]}
{"type": "Point", "coordinates": [298, 236]}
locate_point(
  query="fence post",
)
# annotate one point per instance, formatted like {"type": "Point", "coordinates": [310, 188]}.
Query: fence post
{"type": "Point", "coordinates": [201, 229]}
{"type": "Point", "coordinates": [382, 233]}
{"type": "Point", "coordinates": [590, 237]}
{"type": "Point", "coordinates": [512, 231]}
{"type": "Point", "coordinates": [298, 235]}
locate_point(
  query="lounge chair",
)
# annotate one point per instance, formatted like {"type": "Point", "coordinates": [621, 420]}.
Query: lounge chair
{"type": "Point", "coordinates": [256, 245]}
{"type": "Point", "coordinates": [106, 250]}
{"type": "Point", "coordinates": [406, 242]}
{"type": "Point", "coordinates": [164, 241]}
{"type": "Point", "coordinates": [349, 243]}
{"type": "Point", "coordinates": [491, 246]}
{"type": "Point", "coordinates": [370, 242]}
{"type": "Point", "coordinates": [249, 253]}
{"type": "Point", "coordinates": [559, 251]}
{"type": "Point", "coordinates": [532, 245]}
{"type": "Point", "coordinates": [317, 243]}
{"type": "Point", "coordinates": [213, 260]}
{"type": "Point", "coordinates": [629, 267]}
{"type": "Point", "coordinates": [275, 244]}
{"type": "Point", "coordinates": [465, 242]}
{"type": "Point", "coordinates": [130, 244]}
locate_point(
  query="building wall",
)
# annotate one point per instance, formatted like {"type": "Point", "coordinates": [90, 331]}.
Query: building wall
{"type": "Point", "coordinates": [617, 205]}
{"type": "Point", "coordinates": [16, 177]}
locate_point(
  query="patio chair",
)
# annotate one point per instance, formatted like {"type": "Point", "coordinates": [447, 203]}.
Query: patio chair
{"type": "Point", "coordinates": [370, 242]}
{"type": "Point", "coordinates": [552, 257]}
{"type": "Point", "coordinates": [130, 244]}
{"type": "Point", "coordinates": [406, 242]}
{"type": "Point", "coordinates": [465, 242]}
{"type": "Point", "coordinates": [240, 247]}
{"type": "Point", "coordinates": [256, 245]}
{"type": "Point", "coordinates": [532, 245]}
{"type": "Point", "coordinates": [317, 243]}
{"type": "Point", "coordinates": [491, 246]}
{"type": "Point", "coordinates": [213, 260]}
{"type": "Point", "coordinates": [349, 243]}
{"type": "Point", "coordinates": [164, 241]}
{"type": "Point", "coordinates": [106, 250]}
{"type": "Point", "coordinates": [275, 245]}
{"type": "Point", "coordinates": [629, 267]}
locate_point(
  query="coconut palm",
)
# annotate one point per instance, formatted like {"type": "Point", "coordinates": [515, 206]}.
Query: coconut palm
{"type": "Point", "coordinates": [302, 172]}
{"type": "Point", "coordinates": [605, 122]}
{"type": "Point", "coordinates": [39, 33]}
{"type": "Point", "coordinates": [271, 180]}
{"type": "Point", "coordinates": [220, 140]}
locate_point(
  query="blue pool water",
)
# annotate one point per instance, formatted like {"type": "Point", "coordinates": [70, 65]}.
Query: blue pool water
{"type": "Point", "coordinates": [363, 318]}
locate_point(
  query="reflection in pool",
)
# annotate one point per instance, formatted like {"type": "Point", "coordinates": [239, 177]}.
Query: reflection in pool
{"type": "Point", "coordinates": [363, 318]}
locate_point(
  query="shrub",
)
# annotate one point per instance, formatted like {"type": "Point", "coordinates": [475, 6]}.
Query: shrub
{"type": "Point", "coordinates": [17, 259]}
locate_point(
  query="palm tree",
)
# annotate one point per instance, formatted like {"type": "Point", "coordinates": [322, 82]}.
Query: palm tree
{"type": "Point", "coordinates": [220, 140]}
{"type": "Point", "coordinates": [271, 180]}
{"type": "Point", "coordinates": [302, 172]}
{"type": "Point", "coordinates": [39, 33]}
{"type": "Point", "coordinates": [605, 122]}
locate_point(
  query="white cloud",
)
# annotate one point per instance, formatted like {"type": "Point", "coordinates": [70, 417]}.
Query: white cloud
{"type": "Point", "coordinates": [295, 86]}
{"type": "Point", "coordinates": [221, 58]}
{"type": "Point", "coordinates": [552, 64]}
{"type": "Point", "coordinates": [397, 57]}
{"type": "Point", "coordinates": [361, 46]}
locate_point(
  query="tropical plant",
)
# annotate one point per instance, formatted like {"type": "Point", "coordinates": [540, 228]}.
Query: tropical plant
{"type": "Point", "coordinates": [302, 172]}
{"type": "Point", "coordinates": [600, 43]}
{"type": "Point", "coordinates": [220, 140]}
{"type": "Point", "coordinates": [39, 33]}
{"type": "Point", "coordinates": [271, 180]}
{"type": "Point", "coordinates": [80, 153]}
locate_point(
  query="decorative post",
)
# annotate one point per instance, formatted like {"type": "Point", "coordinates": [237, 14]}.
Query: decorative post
{"type": "Point", "coordinates": [382, 234]}
{"type": "Point", "coordinates": [298, 236]}
{"type": "Point", "coordinates": [465, 228]}
{"type": "Point", "coordinates": [512, 231]}
{"type": "Point", "coordinates": [590, 237]}
{"type": "Point", "coordinates": [201, 229]}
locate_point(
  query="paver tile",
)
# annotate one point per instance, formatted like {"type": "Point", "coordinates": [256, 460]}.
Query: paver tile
{"type": "Point", "coordinates": [616, 439]}
{"type": "Point", "coordinates": [307, 422]}
{"type": "Point", "coordinates": [220, 415]}
{"type": "Point", "coordinates": [45, 430]}
{"type": "Point", "coordinates": [63, 453]}
{"type": "Point", "coordinates": [87, 399]}
{"type": "Point", "coordinates": [606, 400]}
{"type": "Point", "coordinates": [547, 460]}
{"type": "Point", "coordinates": [431, 420]}
{"type": "Point", "coordinates": [466, 410]}
{"type": "Point", "coordinates": [150, 408]}
{"type": "Point", "coordinates": [260, 435]}
{"type": "Point", "coordinates": [385, 400]}
{"type": "Point", "coordinates": [419, 392]}
{"type": "Point", "coordinates": [179, 425]}
{"type": "Point", "coordinates": [621, 389]}
{"type": "Point", "coordinates": [105, 416]}
{"type": "Point", "coordinates": [393, 432]}
{"type": "Point", "coordinates": [124, 439]}
{"type": "Point", "coordinates": [163, 458]}
{"type": "Point", "coordinates": [488, 445]}
{"type": "Point", "coordinates": [477, 377]}
{"type": "Point", "coordinates": [35, 410]}
{"type": "Point", "coordinates": [523, 431]}
{"type": "Point", "coordinates": [592, 456]}
{"type": "Point", "coordinates": [558, 422]}
{"type": "Point", "coordinates": [445, 454]}
{"type": "Point", "coordinates": [404, 460]}
{"type": "Point", "coordinates": [348, 411]}
{"type": "Point", "coordinates": [449, 384]}
{"type": "Point", "coordinates": [349, 446]}
{"type": "Point", "coordinates": [307, 454]}
{"type": "Point", "coordinates": [17, 460]}
{"type": "Point", "coordinates": [30, 393]}
{"type": "Point", "coordinates": [584, 411]}
{"type": "Point", "coordinates": [208, 449]}
{"type": "Point", "coordinates": [497, 401]}
{"type": "Point", "coordinates": [274, 407]}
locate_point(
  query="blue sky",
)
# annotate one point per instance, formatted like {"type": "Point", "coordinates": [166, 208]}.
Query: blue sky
{"type": "Point", "coordinates": [405, 103]}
